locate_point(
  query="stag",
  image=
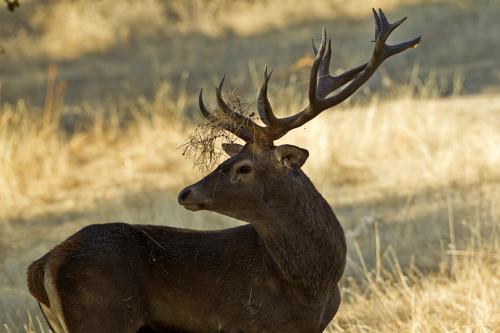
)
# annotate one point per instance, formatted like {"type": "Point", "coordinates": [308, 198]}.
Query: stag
{"type": "Point", "coordinates": [277, 273]}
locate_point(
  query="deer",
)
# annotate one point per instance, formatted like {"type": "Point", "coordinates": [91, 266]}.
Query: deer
{"type": "Point", "coordinates": [279, 272]}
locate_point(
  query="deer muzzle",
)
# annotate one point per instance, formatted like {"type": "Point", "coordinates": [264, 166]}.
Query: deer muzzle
{"type": "Point", "coordinates": [191, 199]}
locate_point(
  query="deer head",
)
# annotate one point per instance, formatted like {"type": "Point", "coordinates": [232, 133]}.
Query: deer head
{"type": "Point", "coordinates": [260, 177]}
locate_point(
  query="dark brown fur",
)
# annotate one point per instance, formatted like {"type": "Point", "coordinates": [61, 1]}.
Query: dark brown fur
{"type": "Point", "coordinates": [36, 271]}
{"type": "Point", "coordinates": [200, 281]}
{"type": "Point", "coordinates": [278, 273]}
{"type": "Point", "coordinates": [35, 276]}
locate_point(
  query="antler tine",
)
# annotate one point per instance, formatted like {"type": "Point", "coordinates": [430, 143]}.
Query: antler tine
{"type": "Point", "coordinates": [234, 122]}
{"type": "Point", "coordinates": [220, 101]}
{"type": "Point", "coordinates": [203, 109]}
{"type": "Point", "coordinates": [381, 52]}
{"type": "Point", "coordinates": [240, 119]}
{"type": "Point", "coordinates": [324, 66]}
{"type": "Point", "coordinates": [384, 29]}
{"type": "Point", "coordinates": [378, 24]}
{"type": "Point", "coordinates": [263, 106]}
{"type": "Point", "coordinates": [328, 83]}
{"type": "Point", "coordinates": [355, 77]}
{"type": "Point", "coordinates": [385, 22]}
{"type": "Point", "coordinates": [225, 108]}
{"type": "Point", "coordinates": [316, 65]}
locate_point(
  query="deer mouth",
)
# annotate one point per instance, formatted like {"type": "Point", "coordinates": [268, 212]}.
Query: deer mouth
{"type": "Point", "coordinates": [194, 207]}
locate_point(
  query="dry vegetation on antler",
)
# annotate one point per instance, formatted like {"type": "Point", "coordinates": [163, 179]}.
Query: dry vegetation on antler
{"type": "Point", "coordinates": [414, 178]}
{"type": "Point", "coordinates": [203, 145]}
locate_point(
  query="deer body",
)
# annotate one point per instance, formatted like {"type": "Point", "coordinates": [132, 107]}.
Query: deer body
{"type": "Point", "coordinates": [231, 280]}
{"type": "Point", "coordinates": [278, 273]}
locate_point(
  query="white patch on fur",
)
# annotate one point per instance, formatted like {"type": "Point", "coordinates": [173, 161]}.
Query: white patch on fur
{"type": "Point", "coordinates": [54, 314]}
{"type": "Point", "coordinates": [51, 318]}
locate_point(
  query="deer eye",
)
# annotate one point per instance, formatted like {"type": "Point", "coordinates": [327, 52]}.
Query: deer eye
{"type": "Point", "coordinates": [245, 169]}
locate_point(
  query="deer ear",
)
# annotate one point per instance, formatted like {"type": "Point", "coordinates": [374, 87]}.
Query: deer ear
{"type": "Point", "coordinates": [291, 156]}
{"type": "Point", "coordinates": [231, 148]}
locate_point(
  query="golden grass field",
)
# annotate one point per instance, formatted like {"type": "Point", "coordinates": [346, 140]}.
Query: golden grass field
{"type": "Point", "coordinates": [97, 99]}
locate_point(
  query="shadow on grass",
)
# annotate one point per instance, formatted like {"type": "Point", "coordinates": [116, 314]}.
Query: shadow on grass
{"type": "Point", "coordinates": [457, 39]}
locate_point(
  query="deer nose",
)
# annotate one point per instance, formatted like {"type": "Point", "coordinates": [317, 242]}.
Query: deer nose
{"type": "Point", "coordinates": [183, 195]}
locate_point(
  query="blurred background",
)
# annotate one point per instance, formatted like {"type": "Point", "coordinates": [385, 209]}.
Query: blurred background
{"type": "Point", "coordinates": [98, 98]}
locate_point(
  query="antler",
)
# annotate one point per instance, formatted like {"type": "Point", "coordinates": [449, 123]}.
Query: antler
{"type": "Point", "coordinates": [231, 121]}
{"type": "Point", "coordinates": [319, 87]}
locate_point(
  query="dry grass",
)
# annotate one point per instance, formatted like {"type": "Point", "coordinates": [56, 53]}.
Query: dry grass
{"type": "Point", "coordinates": [460, 299]}
{"type": "Point", "coordinates": [114, 52]}
{"type": "Point", "coordinates": [389, 149]}
{"type": "Point", "coordinates": [70, 29]}
{"type": "Point", "coordinates": [403, 145]}
{"type": "Point", "coordinates": [412, 175]}
{"type": "Point", "coordinates": [73, 28]}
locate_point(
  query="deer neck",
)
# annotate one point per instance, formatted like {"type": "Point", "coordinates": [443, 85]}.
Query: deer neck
{"type": "Point", "coordinates": [302, 235]}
